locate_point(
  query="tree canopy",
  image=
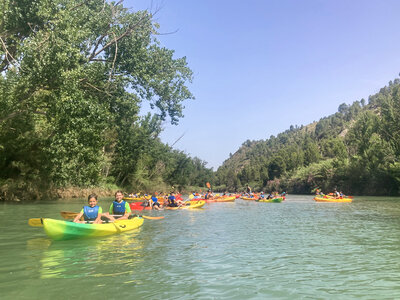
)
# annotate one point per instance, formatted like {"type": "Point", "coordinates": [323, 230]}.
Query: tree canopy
{"type": "Point", "coordinates": [73, 77]}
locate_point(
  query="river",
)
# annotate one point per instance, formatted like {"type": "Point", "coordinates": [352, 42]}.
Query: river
{"type": "Point", "coordinates": [298, 249]}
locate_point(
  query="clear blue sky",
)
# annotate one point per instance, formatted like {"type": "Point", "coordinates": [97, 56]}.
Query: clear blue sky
{"type": "Point", "coordinates": [261, 66]}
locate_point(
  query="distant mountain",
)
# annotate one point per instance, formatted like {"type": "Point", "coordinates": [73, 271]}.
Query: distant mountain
{"type": "Point", "coordinates": [357, 150]}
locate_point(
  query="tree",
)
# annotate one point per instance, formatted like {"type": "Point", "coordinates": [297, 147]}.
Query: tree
{"type": "Point", "coordinates": [72, 72]}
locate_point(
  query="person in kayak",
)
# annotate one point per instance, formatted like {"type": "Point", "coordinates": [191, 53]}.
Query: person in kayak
{"type": "Point", "coordinates": [209, 195]}
{"type": "Point", "coordinates": [248, 189]}
{"type": "Point", "coordinates": [336, 193]}
{"type": "Point", "coordinates": [154, 202]}
{"type": "Point", "coordinates": [119, 207]}
{"type": "Point", "coordinates": [91, 212]}
{"type": "Point", "coordinates": [172, 200]}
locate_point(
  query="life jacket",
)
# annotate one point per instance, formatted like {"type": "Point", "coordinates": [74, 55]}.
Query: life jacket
{"type": "Point", "coordinates": [119, 207]}
{"type": "Point", "coordinates": [90, 213]}
{"type": "Point", "coordinates": [171, 199]}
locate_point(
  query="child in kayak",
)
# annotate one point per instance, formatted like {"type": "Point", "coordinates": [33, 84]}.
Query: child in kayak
{"type": "Point", "coordinates": [119, 207]}
{"type": "Point", "coordinates": [91, 212]}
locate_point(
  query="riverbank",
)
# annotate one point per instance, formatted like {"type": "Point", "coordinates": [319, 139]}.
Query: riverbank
{"type": "Point", "coordinates": [12, 191]}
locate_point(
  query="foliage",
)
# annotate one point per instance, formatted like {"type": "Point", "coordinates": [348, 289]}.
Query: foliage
{"type": "Point", "coordinates": [73, 76]}
{"type": "Point", "coordinates": [356, 150]}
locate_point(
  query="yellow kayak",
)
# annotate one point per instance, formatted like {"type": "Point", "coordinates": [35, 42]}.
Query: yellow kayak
{"type": "Point", "coordinates": [65, 230]}
{"type": "Point", "coordinates": [189, 205]}
{"type": "Point", "coordinates": [249, 198]}
{"type": "Point", "coordinates": [223, 199]}
{"type": "Point", "coordinates": [342, 200]}
{"type": "Point", "coordinates": [136, 198]}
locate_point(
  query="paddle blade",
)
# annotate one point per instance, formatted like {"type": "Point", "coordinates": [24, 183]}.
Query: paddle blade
{"type": "Point", "coordinates": [36, 222]}
{"type": "Point", "coordinates": [208, 185]}
{"type": "Point", "coordinates": [69, 215]}
{"type": "Point", "coordinates": [152, 218]}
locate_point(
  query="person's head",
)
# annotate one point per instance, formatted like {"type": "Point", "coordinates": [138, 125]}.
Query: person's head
{"type": "Point", "coordinates": [119, 195]}
{"type": "Point", "coordinates": [92, 200]}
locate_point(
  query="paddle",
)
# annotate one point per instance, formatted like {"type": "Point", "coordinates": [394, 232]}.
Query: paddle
{"type": "Point", "coordinates": [72, 215]}
{"type": "Point", "coordinates": [152, 218]}
{"type": "Point", "coordinates": [36, 222]}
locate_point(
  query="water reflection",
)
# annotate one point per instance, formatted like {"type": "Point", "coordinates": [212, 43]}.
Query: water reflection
{"type": "Point", "coordinates": [110, 256]}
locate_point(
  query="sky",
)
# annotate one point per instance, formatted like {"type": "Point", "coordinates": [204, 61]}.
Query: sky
{"type": "Point", "coordinates": [261, 66]}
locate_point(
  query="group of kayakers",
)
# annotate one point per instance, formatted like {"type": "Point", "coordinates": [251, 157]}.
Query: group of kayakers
{"type": "Point", "coordinates": [120, 209]}
{"type": "Point", "coordinates": [262, 195]}
{"type": "Point", "coordinates": [92, 212]}
{"type": "Point", "coordinates": [335, 194]}
{"type": "Point", "coordinates": [171, 200]}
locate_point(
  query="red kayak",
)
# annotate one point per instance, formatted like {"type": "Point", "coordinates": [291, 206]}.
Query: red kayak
{"type": "Point", "coordinates": [138, 206]}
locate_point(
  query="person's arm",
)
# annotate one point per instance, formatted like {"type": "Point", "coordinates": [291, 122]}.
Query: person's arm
{"type": "Point", "coordinates": [108, 214]}
{"type": "Point", "coordinates": [99, 214]}
{"type": "Point", "coordinates": [78, 217]}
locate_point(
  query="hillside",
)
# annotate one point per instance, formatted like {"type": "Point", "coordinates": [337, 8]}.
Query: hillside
{"type": "Point", "coordinates": [356, 149]}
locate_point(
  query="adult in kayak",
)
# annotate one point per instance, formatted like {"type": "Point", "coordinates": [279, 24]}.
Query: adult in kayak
{"type": "Point", "coordinates": [248, 189]}
{"type": "Point", "coordinates": [209, 195]}
{"type": "Point", "coordinates": [172, 200]}
{"type": "Point", "coordinates": [91, 212]}
{"type": "Point", "coordinates": [154, 202]}
{"type": "Point", "coordinates": [119, 207]}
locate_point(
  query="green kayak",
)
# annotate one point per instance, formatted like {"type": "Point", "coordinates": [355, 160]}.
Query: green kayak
{"type": "Point", "coordinates": [274, 200]}
{"type": "Point", "coordinates": [66, 230]}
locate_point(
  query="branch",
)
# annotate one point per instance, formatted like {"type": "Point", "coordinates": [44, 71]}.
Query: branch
{"type": "Point", "coordinates": [7, 53]}
{"type": "Point", "coordinates": [96, 46]}
{"type": "Point", "coordinates": [115, 40]}
{"type": "Point", "coordinates": [97, 89]}
{"type": "Point", "coordinates": [178, 139]}
{"type": "Point", "coordinates": [115, 58]}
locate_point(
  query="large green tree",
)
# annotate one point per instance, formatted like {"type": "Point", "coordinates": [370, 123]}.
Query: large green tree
{"type": "Point", "coordinates": [73, 75]}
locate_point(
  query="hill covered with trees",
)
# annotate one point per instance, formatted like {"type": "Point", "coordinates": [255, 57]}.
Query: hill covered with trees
{"type": "Point", "coordinates": [356, 150]}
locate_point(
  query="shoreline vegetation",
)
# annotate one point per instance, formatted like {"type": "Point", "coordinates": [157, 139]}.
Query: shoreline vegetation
{"type": "Point", "coordinates": [355, 150]}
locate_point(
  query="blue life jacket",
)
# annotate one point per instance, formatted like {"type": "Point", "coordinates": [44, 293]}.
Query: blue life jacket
{"type": "Point", "coordinates": [155, 199]}
{"type": "Point", "coordinates": [90, 213]}
{"type": "Point", "coordinates": [119, 208]}
{"type": "Point", "coordinates": [171, 200]}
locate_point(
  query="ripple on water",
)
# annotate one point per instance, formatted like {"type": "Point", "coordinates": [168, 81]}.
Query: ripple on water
{"type": "Point", "coordinates": [243, 250]}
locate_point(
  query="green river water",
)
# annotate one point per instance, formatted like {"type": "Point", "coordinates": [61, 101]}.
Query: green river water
{"type": "Point", "coordinates": [298, 249]}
